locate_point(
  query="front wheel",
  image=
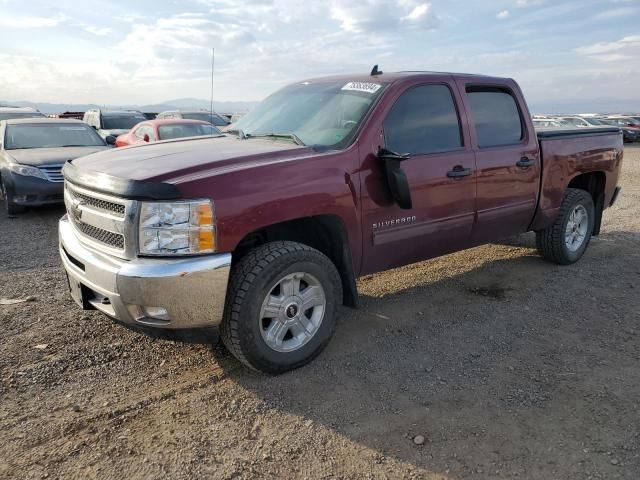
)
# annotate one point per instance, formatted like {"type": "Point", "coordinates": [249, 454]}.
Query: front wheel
{"type": "Point", "coordinates": [566, 240]}
{"type": "Point", "coordinates": [281, 306]}
{"type": "Point", "coordinates": [9, 206]}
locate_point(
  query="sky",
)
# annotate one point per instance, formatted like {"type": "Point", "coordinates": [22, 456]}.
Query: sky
{"type": "Point", "coordinates": [149, 51]}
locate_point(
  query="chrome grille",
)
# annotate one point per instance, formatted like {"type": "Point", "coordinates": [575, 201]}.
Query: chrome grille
{"type": "Point", "coordinates": [111, 239]}
{"type": "Point", "coordinates": [103, 221]}
{"type": "Point", "coordinates": [104, 205]}
{"type": "Point", "coordinates": [53, 173]}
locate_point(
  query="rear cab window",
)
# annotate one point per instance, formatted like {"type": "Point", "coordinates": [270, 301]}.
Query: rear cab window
{"type": "Point", "coordinates": [423, 120]}
{"type": "Point", "coordinates": [496, 116]}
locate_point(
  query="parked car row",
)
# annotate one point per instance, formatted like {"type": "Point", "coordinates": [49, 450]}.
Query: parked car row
{"type": "Point", "coordinates": [34, 147]}
{"type": "Point", "coordinates": [629, 124]}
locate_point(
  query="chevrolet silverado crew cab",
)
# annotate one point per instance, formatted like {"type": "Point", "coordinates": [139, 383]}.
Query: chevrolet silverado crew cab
{"type": "Point", "coordinates": [262, 232]}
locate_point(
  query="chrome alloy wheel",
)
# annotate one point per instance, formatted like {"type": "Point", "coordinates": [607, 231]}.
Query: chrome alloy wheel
{"type": "Point", "coordinates": [292, 312]}
{"type": "Point", "coordinates": [577, 227]}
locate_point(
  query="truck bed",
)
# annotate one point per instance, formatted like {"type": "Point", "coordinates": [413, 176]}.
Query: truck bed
{"type": "Point", "coordinates": [547, 133]}
{"type": "Point", "coordinates": [567, 153]}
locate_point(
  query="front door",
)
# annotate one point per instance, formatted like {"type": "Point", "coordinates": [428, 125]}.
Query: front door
{"type": "Point", "coordinates": [423, 122]}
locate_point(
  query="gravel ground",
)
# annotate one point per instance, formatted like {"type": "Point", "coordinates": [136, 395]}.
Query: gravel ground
{"type": "Point", "coordinates": [488, 363]}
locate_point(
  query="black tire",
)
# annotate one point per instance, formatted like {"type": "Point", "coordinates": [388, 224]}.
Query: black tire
{"type": "Point", "coordinates": [551, 241]}
{"type": "Point", "coordinates": [251, 281]}
{"type": "Point", "coordinates": [10, 207]}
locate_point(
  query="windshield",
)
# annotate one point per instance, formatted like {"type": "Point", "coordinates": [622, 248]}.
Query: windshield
{"type": "Point", "coordinates": [621, 122]}
{"type": "Point", "coordinates": [546, 123]}
{"type": "Point", "coordinates": [576, 122]}
{"type": "Point", "coordinates": [592, 121]}
{"type": "Point", "coordinates": [10, 115]}
{"type": "Point", "coordinates": [320, 114]}
{"type": "Point", "coordinates": [167, 132]}
{"type": "Point", "coordinates": [121, 122]}
{"type": "Point", "coordinates": [206, 117]}
{"type": "Point", "coordinates": [50, 136]}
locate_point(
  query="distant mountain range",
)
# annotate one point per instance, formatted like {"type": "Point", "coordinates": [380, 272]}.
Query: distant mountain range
{"type": "Point", "coordinates": [593, 105]}
{"type": "Point", "coordinates": [177, 104]}
{"type": "Point", "coordinates": [599, 105]}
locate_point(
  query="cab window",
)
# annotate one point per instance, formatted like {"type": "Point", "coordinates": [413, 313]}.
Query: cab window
{"type": "Point", "coordinates": [423, 120]}
{"type": "Point", "coordinates": [496, 116]}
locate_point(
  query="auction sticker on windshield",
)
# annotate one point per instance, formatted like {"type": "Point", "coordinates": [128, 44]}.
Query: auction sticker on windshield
{"type": "Point", "coordinates": [362, 87]}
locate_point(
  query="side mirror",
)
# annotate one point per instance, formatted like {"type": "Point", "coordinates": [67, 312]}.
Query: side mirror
{"type": "Point", "coordinates": [110, 139]}
{"type": "Point", "coordinates": [146, 137]}
{"type": "Point", "coordinates": [396, 178]}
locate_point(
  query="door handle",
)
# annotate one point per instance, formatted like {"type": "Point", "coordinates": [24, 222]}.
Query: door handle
{"type": "Point", "coordinates": [458, 172]}
{"type": "Point", "coordinates": [525, 162]}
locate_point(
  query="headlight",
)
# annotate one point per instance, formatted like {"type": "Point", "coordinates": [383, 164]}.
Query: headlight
{"type": "Point", "coordinates": [177, 228]}
{"type": "Point", "coordinates": [27, 171]}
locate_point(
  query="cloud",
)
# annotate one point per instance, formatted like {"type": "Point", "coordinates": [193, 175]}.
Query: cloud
{"type": "Point", "coordinates": [10, 21]}
{"type": "Point", "coordinates": [98, 31]}
{"type": "Point", "coordinates": [616, 13]}
{"type": "Point", "coordinates": [623, 50]}
{"type": "Point", "coordinates": [130, 54]}
{"type": "Point", "coordinates": [88, 79]}
{"type": "Point", "coordinates": [418, 13]}
{"type": "Point", "coordinates": [180, 42]}
{"type": "Point", "coordinates": [381, 15]}
{"type": "Point", "coordinates": [529, 3]}
{"type": "Point", "coordinates": [503, 15]}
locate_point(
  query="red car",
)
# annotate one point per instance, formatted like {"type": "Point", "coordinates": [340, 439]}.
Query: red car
{"type": "Point", "coordinates": [155, 130]}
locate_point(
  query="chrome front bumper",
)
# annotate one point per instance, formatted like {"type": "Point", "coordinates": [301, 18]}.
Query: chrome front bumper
{"type": "Point", "coordinates": [191, 290]}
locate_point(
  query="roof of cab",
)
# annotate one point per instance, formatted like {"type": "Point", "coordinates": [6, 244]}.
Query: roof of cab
{"type": "Point", "coordinates": [391, 77]}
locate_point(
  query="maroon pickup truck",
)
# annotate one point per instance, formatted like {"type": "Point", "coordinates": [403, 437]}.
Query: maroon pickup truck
{"type": "Point", "coordinates": [262, 231]}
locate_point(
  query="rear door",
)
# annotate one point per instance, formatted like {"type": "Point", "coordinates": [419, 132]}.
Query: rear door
{"type": "Point", "coordinates": [423, 121]}
{"type": "Point", "coordinates": [507, 160]}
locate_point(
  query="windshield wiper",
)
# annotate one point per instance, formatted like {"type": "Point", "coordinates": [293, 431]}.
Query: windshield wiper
{"type": "Point", "coordinates": [237, 131]}
{"type": "Point", "coordinates": [291, 136]}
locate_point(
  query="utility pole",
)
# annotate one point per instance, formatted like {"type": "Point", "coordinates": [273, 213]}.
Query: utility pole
{"type": "Point", "coordinates": [213, 56]}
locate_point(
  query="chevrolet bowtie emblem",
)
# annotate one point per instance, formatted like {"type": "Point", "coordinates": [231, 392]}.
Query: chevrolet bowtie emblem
{"type": "Point", "coordinates": [75, 206]}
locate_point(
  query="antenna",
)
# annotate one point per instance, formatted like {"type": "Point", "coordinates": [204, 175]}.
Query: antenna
{"type": "Point", "coordinates": [375, 71]}
{"type": "Point", "coordinates": [213, 56]}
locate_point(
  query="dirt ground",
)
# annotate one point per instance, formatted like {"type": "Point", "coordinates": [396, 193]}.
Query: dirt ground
{"type": "Point", "coordinates": [509, 367]}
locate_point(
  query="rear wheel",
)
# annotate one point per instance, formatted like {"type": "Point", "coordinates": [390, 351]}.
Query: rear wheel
{"type": "Point", "coordinates": [566, 240]}
{"type": "Point", "coordinates": [281, 306]}
{"type": "Point", "coordinates": [9, 206]}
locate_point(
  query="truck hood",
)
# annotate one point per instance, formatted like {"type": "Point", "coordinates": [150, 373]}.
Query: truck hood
{"type": "Point", "coordinates": [37, 157]}
{"type": "Point", "coordinates": [169, 160]}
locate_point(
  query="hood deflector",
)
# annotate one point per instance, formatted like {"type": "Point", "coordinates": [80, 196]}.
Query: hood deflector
{"type": "Point", "coordinates": [120, 187]}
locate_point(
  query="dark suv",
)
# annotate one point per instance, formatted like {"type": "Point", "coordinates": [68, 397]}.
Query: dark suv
{"type": "Point", "coordinates": [111, 123]}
